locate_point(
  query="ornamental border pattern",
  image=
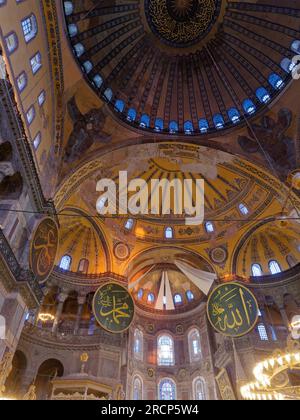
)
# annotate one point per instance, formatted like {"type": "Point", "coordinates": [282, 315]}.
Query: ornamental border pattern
{"type": "Point", "coordinates": [49, 14]}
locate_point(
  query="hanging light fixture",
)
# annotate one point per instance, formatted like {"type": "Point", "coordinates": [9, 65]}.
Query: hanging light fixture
{"type": "Point", "coordinates": [265, 372]}
{"type": "Point", "coordinates": [46, 317]}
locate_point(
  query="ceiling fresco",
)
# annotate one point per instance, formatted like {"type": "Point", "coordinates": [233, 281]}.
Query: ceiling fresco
{"type": "Point", "coordinates": [205, 73]}
{"type": "Point", "coordinates": [229, 183]}
{"type": "Point", "coordinates": [183, 67]}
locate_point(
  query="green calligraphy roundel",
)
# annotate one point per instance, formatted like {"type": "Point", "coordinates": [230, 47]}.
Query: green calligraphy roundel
{"type": "Point", "coordinates": [113, 308]}
{"type": "Point", "coordinates": [232, 310]}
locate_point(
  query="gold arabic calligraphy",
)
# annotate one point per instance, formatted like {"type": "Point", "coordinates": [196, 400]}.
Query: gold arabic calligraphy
{"type": "Point", "coordinates": [181, 32]}
{"type": "Point", "coordinates": [113, 306]}
{"type": "Point", "coordinates": [233, 309]}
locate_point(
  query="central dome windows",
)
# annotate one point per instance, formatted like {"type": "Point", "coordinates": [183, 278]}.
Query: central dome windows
{"type": "Point", "coordinates": [189, 84]}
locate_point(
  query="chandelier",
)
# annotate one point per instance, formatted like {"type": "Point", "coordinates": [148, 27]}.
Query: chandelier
{"type": "Point", "coordinates": [272, 381]}
{"type": "Point", "coordinates": [46, 317]}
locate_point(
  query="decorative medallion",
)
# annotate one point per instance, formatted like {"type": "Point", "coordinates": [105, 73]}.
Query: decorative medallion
{"type": "Point", "coordinates": [150, 373]}
{"type": "Point", "coordinates": [232, 310]}
{"type": "Point", "coordinates": [113, 308]}
{"type": "Point", "coordinates": [179, 329]}
{"type": "Point", "coordinates": [43, 249]}
{"type": "Point", "coordinates": [218, 255]}
{"type": "Point", "coordinates": [182, 23]}
{"type": "Point", "coordinates": [150, 328]}
{"type": "Point", "coordinates": [121, 251]}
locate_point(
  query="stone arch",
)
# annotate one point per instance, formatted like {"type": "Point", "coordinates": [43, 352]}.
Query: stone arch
{"type": "Point", "coordinates": [15, 379]}
{"type": "Point", "coordinates": [48, 370]}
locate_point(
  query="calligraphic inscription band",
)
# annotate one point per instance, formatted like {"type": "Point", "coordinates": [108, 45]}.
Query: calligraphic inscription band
{"type": "Point", "coordinates": [43, 249]}
{"type": "Point", "coordinates": [232, 310]}
{"type": "Point", "coordinates": [113, 307]}
{"type": "Point", "coordinates": [225, 386]}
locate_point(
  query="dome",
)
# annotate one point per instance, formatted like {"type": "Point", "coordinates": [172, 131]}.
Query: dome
{"type": "Point", "coordinates": [240, 199]}
{"type": "Point", "coordinates": [270, 249]}
{"type": "Point", "coordinates": [183, 66]}
{"type": "Point", "coordinates": [181, 23]}
{"type": "Point", "coordinates": [82, 248]}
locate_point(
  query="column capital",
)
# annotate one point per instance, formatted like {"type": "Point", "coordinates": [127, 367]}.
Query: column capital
{"type": "Point", "coordinates": [62, 297]}
{"type": "Point", "coordinates": [81, 299]}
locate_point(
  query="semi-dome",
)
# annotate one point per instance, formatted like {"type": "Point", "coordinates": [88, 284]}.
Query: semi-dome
{"type": "Point", "coordinates": [184, 66]}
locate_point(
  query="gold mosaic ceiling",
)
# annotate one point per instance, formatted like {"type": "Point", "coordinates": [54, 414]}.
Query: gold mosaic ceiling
{"type": "Point", "coordinates": [229, 183]}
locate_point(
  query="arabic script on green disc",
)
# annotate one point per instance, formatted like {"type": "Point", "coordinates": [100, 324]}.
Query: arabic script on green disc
{"type": "Point", "coordinates": [232, 310]}
{"type": "Point", "coordinates": [113, 308]}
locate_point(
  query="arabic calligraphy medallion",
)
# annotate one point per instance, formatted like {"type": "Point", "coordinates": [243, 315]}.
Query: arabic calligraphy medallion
{"type": "Point", "coordinates": [181, 23]}
{"type": "Point", "coordinates": [232, 310]}
{"type": "Point", "coordinates": [43, 249]}
{"type": "Point", "coordinates": [113, 308]}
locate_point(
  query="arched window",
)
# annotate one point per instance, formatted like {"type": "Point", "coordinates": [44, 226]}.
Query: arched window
{"type": "Point", "coordinates": [291, 260]}
{"type": "Point", "coordinates": [194, 345]}
{"type": "Point", "coordinates": [145, 121]}
{"type": "Point", "coordinates": [159, 125]}
{"type": "Point", "coordinates": [151, 298]}
{"type": "Point", "coordinates": [11, 42]}
{"type": "Point", "coordinates": [188, 127]}
{"type": "Point", "coordinates": [30, 114]}
{"type": "Point", "coordinates": [65, 263]}
{"type": "Point", "coordinates": [88, 67]}
{"type": "Point", "coordinates": [119, 105]}
{"type": "Point", "coordinates": [98, 81]}
{"type": "Point", "coordinates": [92, 326]}
{"type": "Point", "coordinates": [68, 6]}
{"type": "Point", "coordinates": [138, 344]}
{"type": "Point", "coordinates": [108, 94]}
{"type": "Point", "coordinates": [263, 95]}
{"type": "Point", "coordinates": [296, 46]}
{"type": "Point", "coordinates": [218, 121]}
{"type": "Point", "coordinates": [29, 27]}
{"type": "Point", "coordinates": [22, 81]}
{"type": "Point", "coordinates": [169, 233]}
{"type": "Point", "coordinates": [274, 267]}
{"type": "Point", "coordinates": [257, 270]}
{"type": "Point", "coordinates": [72, 29]}
{"type": "Point", "coordinates": [42, 98]}
{"type": "Point", "coordinates": [129, 224]}
{"type": "Point", "coordinates": [276, 81]}
{"type": "Point", "coordinates": [190, 295]}
{"type": "Point", "coordinates": [167, 390]}
{"type": "Point", "coordinates": [131, 115]}
{"type": "Point", "coordinates": [199, 389]}
{"type": "Point", "coordinates": [262, 331]}
{"type": "Point", "coordinates": [140, 294]}
{"type": "Point", "coordinates": [178, 299]}
{"type": "Point", "coordinates": [37, 141]}
{"type": "Point", "coordinates": [234, 115]}
{"type": "Point", "coordinates": [79, 49]}
{"type": "Point", "coordinates": [243, 209]}
{"type": "Point", "coordinates": [249, 106]}
{"type": "Point", "coordinates": [209, 227]}
{"type": "Point", "coordinates": [83, 266]}
{"type": "Point", "coordinates": [287, 65]}
{"type": "Point", "coordinates": [165, 351]}
{"type": "Point", "coordinates": [137, 389]}
{"type": "Point", "coordinates": [173, 127]}
{"type": "Point", "coordinates": [203, 126]}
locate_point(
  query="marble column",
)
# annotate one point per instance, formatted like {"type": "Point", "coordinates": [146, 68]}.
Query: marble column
{"type": "Point", "coordinates": [285, 318]}
{"type": "Point", "coordinates": [81, 302]}
{"type": "Point", "coordinates": [61, 300]}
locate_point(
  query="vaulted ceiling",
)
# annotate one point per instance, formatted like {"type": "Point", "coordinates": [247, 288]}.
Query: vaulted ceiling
{"type": "Point", "coordinates": [184, 67]}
